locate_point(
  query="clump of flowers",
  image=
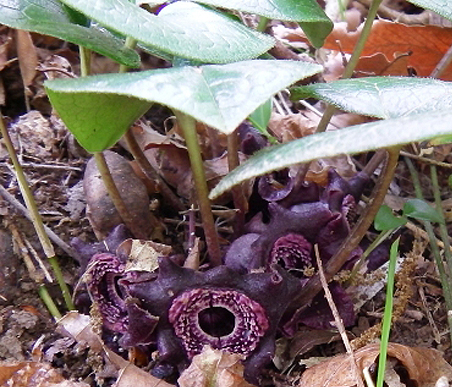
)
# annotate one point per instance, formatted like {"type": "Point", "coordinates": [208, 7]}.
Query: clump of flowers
{"type": "Point", "coordinates": [242, 305]}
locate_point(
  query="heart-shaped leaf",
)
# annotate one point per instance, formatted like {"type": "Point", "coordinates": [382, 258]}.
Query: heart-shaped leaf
{"type": "Point", "coordinates": [419, 209]}
{"type": "Point", "coordinates": [313, 20]}
{"type": "Point", "coordinates": [383, 97]}
{"type": "Point", "coordinates": [221, 96]}
{"type": "Point", "coordinates": [182, 28]}
{"type": "Point", "coordinates": [386, 220]}
{"type": "Point", "coordinates": [354, 139]}
{"type": "Point", "coordinates": [50, 17]}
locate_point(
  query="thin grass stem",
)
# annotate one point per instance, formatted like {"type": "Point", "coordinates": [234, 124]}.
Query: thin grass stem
{"type": "Point", "coordinates": [387, 317]}
{"type": "Point", "coordinates": [433, 246]}
{"type": "Point", "coordinates": [36, 216]}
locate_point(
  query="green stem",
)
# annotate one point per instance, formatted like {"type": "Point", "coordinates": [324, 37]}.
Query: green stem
{"type": "Point", "coordinates": [151, 173]}
{"type": "Point", "coordinates": [348, 71]}
{"type": "Point", "coordinates": [434, 247]}
{"type": "Point", "coordinates": [85, 61]}
{"type": "Point", "coordinates": [313, 286]}
{"type": "Point", "coordinates": [442, 226]}
{"type": "Point", "coordinates": [188, 126]}
{"type": "Point", "coordinates": [48, 301]}
{"type": "Point", "coordinates": [35, 216]}
{"type": "Point", "coordinates": [140, 157]}
{"type": "Point", "coordinates": [240, 202]}
{"type": "Point", "coordinates": [129, 43]}
{"type": "Point", "coordinates": [380, 239]}
{"type": "Point", "coordinates": [263, 22]}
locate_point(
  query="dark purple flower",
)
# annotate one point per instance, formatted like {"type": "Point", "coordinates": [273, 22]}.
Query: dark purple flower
{"type": "Point", "coordinates": [218, 307]}
{"type": "Point", "coordinates": [101, 277]}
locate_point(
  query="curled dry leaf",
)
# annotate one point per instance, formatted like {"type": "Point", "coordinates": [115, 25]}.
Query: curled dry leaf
{"type": "Point", "coordinates": [216, 368]}
{"type": "Point", "coordinates": [33, 374]}
{"type": "Point", "coordinates": [427, 44]}
{"type": "Point", "coordinates": [423, 365]}
{"type": "Point", "coordinates": [101, 211]}
{"type": "Point", "coordinates": [293, 126]}
{"type": "Point", "coordinates": [143, 255]}
{"type": "Point", "coordinates": [80, 328]}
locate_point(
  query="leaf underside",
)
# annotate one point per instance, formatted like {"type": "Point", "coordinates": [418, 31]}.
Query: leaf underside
{"type": "Point", "coordinates": [382, 97]}
{"type": "Point", "coordinates": [351, 140]}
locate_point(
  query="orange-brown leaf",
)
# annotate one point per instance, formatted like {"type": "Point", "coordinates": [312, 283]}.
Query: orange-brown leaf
{"type": "Point", "coordinates": [423, 365]}
{"type": "Point", "coordinates": [428, 44]}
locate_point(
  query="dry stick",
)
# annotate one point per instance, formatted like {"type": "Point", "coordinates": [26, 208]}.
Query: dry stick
{"type": "Point", "coordinates": [150, 173]}
{"type": "Point", "coordinates": [115, 196]}
{"type": "Point", "coordinates": [54, 237]}
{"type": "Point", "coordinates": [36, 216]}
{"type": "Point", "coordinates": [240, 202]}
{"type": "Point", "coordinates": [313, 286]}
{"type": "Point", "coordinates": [337, 318]}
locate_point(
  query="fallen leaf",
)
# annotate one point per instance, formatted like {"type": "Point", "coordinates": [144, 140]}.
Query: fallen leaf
{"type": "Point", "coordinates": [427, 44]}
{"type": "Point", "coordinates": [423, 365]}
{"type": "Point", "coordinates": [142, 255]}
{"type": "Point", "coordinates": [80, 328]}
{"type": "Point", "coordinates": [33, 374]}
{"type": "Point", "coordinates": [28, 58]}
{"type": "Point", "coordinates": [214, 368]}
{"type": "Point", "coordinates": [379, 65]}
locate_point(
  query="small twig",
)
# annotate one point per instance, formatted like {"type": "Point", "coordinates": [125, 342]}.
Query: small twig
{"type": "Point", "coordinates": [443, 64]}
{"type": "Point", "coordinates": [240, 202]}
{"type": "Point", "coordinates": [36, 216]}
{"type": "Point", "coordinates": [426, 160]}
{"type": "Point", "coordinates": [55, 238]}
{"type": "Point", "coordinates": [337, 318]}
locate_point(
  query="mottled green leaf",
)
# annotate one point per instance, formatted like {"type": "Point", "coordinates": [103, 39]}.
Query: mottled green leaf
{"type": "Point", "coordinates": [50, 17]}
{"type": "Point", "coordinates": [386, 220]}
{"type": "Point", "coordinates": [419, 209]}
{"type": "Point", "coordinates": [182, 28]}
{"type": "Point", "coordinates": [221, 96]}
{"type": "Point", "coordinates": [383, 97]}
{"type": "Point", "coordinates": [354, 139]}
{"type": "Point", "coordinates": [313, 20]}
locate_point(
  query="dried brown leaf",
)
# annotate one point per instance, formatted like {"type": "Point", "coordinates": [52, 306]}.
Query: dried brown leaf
{"type": "Point", "coordinates": [80, 328]}
{"type": "Point", "coordinates": [33, 374]}
{"type": "Point", "coordinates": [28, 57]}
{"type": "Point", "coordinates": [214, 368]}
{"type": "Point", "coordinates": [427, 44]}
{"type": "Point", "coordinates": [423, 365]}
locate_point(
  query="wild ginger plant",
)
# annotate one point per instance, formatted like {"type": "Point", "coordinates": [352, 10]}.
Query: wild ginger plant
{"type": "Point", "coordinates": [225, 87]}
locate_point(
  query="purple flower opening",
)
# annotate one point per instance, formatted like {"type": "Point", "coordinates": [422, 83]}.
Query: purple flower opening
{"type": "Point", "coordinates": [223, 319]}
{"type": "Point", "coordinates": [291, 251]}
